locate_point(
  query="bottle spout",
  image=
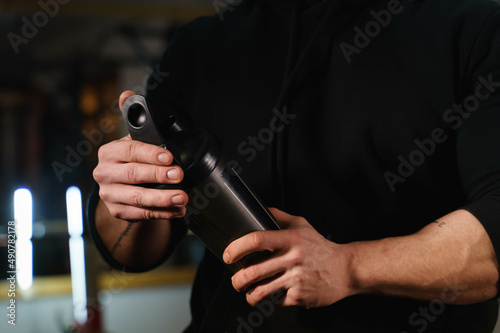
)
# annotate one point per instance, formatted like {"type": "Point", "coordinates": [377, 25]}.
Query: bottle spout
{"type": "Point", "coordinates": [172, 127]}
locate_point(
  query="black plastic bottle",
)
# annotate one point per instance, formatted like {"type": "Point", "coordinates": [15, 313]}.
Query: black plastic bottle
{"type": "Point", "coordinates": [221, 207]}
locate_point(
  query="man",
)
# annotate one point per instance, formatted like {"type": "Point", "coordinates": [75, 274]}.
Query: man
{"type": "Point", "coordinates": [382, 139]}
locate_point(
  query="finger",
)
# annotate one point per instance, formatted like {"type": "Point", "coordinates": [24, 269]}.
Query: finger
{"type": "Point", "coordinates": [136, 214]}
{"type": "Point", "coordinates": [253, 242]}
{"type": "Point", "coordinates": [274, 290]}
{"type": "Point", "coordinates": [284, 220]}
{"type": "Point", "coordinates": [137, 173]}
{"type": "Point", "coordinates": [124, 95]}
{"type": "Point", "coordinates": [126, 138]}
{"type": "Point", "coordinates": [137, 196]}
{"type": "Point", "coordinates": [253, 274]}
{"type": "Point", "coordinates": [125, 150]}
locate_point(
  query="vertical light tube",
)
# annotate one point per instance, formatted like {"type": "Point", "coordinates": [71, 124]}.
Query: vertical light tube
{"type": "Point", "coordinates": [23, 215]}
{"type": "Point", "coordinates": [77, 253]}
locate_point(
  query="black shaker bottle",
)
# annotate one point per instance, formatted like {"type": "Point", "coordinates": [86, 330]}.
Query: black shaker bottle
{"type": "Point", "coordinates": [221, 207]}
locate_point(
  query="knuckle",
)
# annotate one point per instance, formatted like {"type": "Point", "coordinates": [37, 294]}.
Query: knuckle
{"type": "Point", "coordinates": [129, 151]}
{"type": "Point", "coordinates": [258, 239]}
{"type": "Point", "coordinates": [97, 174]}
{"type": "Point", "coordinates": [114, 211]}
{"type": "Point", "coordinates": [102, 152]}
{"type": "Point", "coordinates": [103, 194]}
{"type": "Point", "coordinates": [147, 214]}
{"type": "Point", "coordinates": [258, 294]}
{"type": "Point", "coordinates": [301, 220]}
{"type": "Point", "coordinates": [132, 174]}
{"type": "Point", "coordinates": [297, 258]}
{"type": "Point", "coordinates": [295, 237]}
{"type": "Point", "coordinates": [163, 201]}
{"type": "Point", "coordinates": [159, 174]}
{"type": "Point", "coordinates": [294, 297]}
{"type": "Point", "coordinates": [298, 280]}
{"type": "Point", "coordinates": [251, 272]}
{"type": "Point", "coordinates": [136, 199]}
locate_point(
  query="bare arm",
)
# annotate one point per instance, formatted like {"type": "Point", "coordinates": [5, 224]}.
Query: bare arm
{"type": "Point", "coordinates": [135, 223]}
{"type": "Point", "coordinates": [136, 245]}
{"type": "Point", "coordinates": [452, 261]}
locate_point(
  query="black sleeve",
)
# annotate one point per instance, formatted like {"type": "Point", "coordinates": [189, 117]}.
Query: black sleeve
{"type": "Point", "coordinates": [478, 137]}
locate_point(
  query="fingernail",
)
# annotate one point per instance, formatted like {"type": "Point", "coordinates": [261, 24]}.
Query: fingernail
{"type": "Point", "coordinates": [164, 158]}
{"type": "Point", "coordinates": [180, 213]}
{"type": "Point", "coordinates": [173, 174]}
{"type": "Point", "coordinates": [177, 200]}
{"type": "Point", "coordinates": [227, 259]}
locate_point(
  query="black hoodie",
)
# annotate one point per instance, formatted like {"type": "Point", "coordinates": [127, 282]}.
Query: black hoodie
{"type": "Point", "coordinates": [392, 121]}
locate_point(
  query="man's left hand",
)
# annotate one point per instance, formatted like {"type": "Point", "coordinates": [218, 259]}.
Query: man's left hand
{"type": "Point", "coordinates": [311, 270]}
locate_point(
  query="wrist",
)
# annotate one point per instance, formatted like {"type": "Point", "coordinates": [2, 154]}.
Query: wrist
{"type": "Point", "coordinates": [362, 277]}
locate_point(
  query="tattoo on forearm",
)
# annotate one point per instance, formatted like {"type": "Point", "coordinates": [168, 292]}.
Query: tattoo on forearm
{"type": "Point", "coordinates": [119, 240]}
{"type": "Point", "coordinates": [440, 224]}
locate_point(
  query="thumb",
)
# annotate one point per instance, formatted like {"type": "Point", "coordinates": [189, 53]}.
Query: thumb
{"type": "Point", "coordinates": [284, 220]}
{"type": "Point", "coordinates": [123, 97]}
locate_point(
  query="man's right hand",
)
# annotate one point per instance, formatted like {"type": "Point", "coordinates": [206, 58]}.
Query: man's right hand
{"type": "Point", "coordinates": [125, 163]}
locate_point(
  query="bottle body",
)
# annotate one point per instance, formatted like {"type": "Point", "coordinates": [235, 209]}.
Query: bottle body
{"type": "Point", "coordinates": [222, 209]}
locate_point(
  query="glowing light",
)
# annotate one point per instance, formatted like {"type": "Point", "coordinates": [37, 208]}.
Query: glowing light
{"type": "Point", "coordinates": [74, 210]}
{"type": "Point", "coordinates": [77, 254]}
{"type": "Point", "coordinates": [78, 283]}
{"type": "Point", "coordinates": [23, 215]}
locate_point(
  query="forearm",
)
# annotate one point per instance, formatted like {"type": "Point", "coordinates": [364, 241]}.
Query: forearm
{"type": "Point", "coordinates": [453, 255]}
{"type": "Point", "coordinates": [135, 245]}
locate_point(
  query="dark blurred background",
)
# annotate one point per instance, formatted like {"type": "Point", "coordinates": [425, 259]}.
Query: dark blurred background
{"type": "Point", "coordinates": [63, 65]}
